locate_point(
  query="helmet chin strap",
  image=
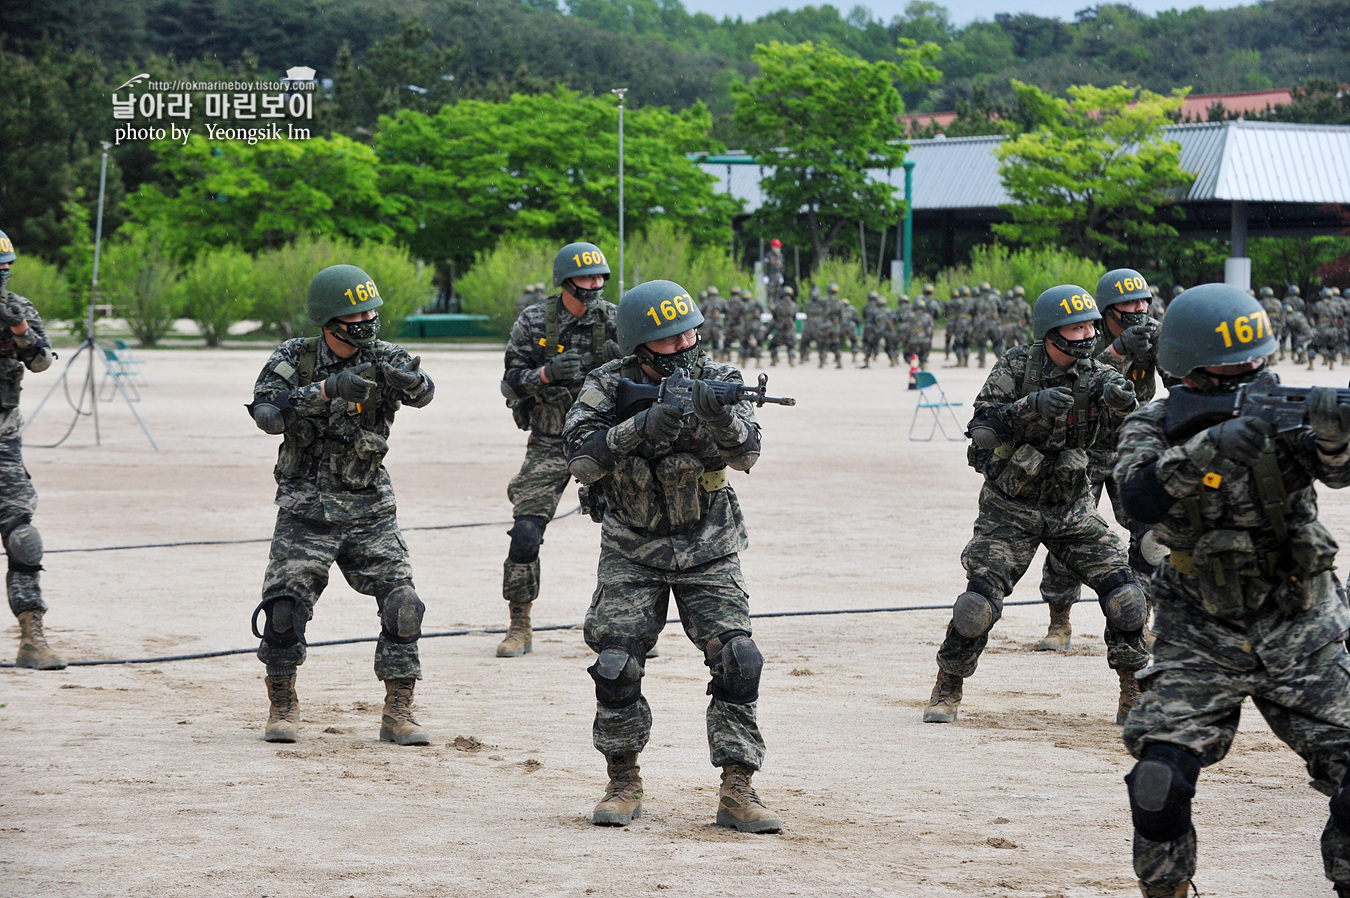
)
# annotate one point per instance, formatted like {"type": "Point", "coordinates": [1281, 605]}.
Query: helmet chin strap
{"type": "Point", "coordinates": [1079, 349]}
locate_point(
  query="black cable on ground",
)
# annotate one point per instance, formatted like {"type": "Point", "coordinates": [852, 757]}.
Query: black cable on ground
{"type": "Point", "coordinates": [268, 539]}
{"type": "Point", "coordinates": [492, 631]}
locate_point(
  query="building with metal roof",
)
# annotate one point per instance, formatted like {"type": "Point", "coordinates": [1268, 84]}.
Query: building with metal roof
{"type": "Point", "coordinates": [1257, 178]}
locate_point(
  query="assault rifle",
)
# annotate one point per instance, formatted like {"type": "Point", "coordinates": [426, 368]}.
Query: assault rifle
{"type": "Point", "coordinates": [678, 390]}
{"type": "Point", "coordinates": [1189, 412]}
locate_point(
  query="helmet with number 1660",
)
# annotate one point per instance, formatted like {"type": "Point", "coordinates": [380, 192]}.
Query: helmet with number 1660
{"type": "Point", "coordinates": [1058, 306]}
{"type": "Point", "coordinates": [653, 311]}
{"type": "Point", "coordinates": [1213, 325]}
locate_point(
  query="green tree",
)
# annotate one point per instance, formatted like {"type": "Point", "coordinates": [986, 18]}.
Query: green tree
{"type": "Point", "coordinates": [137, 276]}
{"type": "Point", "coordinates": [546, 167]}
{"type": "Point", "coordinates": [405, 71]}
{"type": "Point", "coordinates": [1093, 172]}
{"type": "Point", "coordinates": [821, 119]}
{"type": "Point", "coordinates": [216, 291]}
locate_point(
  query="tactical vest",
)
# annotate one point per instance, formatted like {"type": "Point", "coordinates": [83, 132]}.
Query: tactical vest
{"type": "Point", "coordinates": [552, 329]}
{"type": "Point", "coordinates": [1084, 429]}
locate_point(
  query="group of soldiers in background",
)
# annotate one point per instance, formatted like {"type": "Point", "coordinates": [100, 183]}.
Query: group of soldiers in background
{"type": "Point", "coordinates": [1319, 326]}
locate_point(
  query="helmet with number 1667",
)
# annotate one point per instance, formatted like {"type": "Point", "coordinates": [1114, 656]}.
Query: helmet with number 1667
{"type": "Point", "coordinates": [653, 311]}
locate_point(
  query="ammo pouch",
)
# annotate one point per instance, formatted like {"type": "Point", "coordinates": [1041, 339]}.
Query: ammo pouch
{"type": "Point", "coordinates": [357, 466]}
{"type": "Point", "coordinates": [678, 475]}
{"type": "Point", "coordinates": [11, 374]}
{"type": "Point", "coordinates": [1312, 551]}
{"type": "Point", "coordinates": [549, 410]}
{"type": "Point", "coordinates": [633, 488]}
{"type": "Point", "coordinates": [1068, 477]}
{"type": "Point", "coordinates": [293, 459]}
{"type": "Point", "coordinates": [1021, 476]}
{"type": "Point", "coordinates": [520, 411]}
{"type": "Point", "coordinates": [1231, 574]}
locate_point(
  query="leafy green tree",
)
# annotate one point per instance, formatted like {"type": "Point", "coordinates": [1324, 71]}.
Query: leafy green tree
{"type": "Point", "coordinates": [821, 119]}
{"type": "Point", "coordinates": [544, 167]}
{"type": "Point", "coordinates": [263, 196]}
{"type": "Point", "coordinates": [137, 277]}
{"type": "Point", "coordinates": [1093, 172]}
{"type": "Point", "coordinates": [216, 291]}
{"type": "Point", "coordinates": [405, 71]}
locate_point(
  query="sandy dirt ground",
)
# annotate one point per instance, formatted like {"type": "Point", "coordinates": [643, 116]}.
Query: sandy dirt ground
{"type": "Point", "coordinates": [153, 779]}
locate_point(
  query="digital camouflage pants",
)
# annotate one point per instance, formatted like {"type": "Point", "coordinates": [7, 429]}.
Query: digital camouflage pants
{"type": "Point", "coordinates": [371, 554]}
{"type": "Point", "coordinates": [1059, 588]}
{"type": "Point", "coordinates": [631, 600]}
{"type": "Point", "coordinates": [18, 502]}
{"type": "Point", "coordinates": [1194, 704]}
{"type": "Point", "coordinates": [534, 492]}
{"type": "Point", "coordinates": [1007, 534]}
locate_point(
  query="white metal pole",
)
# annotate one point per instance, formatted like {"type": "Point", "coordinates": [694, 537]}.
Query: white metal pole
{"type": "Point", "coordinates": [619, 92]}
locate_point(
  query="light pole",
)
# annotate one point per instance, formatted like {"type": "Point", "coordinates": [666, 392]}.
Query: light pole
{"type": "Point", "coordinates": [619, 92]}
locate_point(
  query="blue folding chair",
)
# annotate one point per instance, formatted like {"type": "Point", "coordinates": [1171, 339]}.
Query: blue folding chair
{"type": "Point", "coordinates": [934, 400]}
{"type": "Point", "coordinates": [118, 371]}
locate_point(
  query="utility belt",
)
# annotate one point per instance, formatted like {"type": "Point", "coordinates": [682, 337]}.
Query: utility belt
{"type": "Point", "coordinates": [1234, 578]}
{"type": "Point", "coordinates": [353, 458]}
{"type": "Point", "coordinates": [11, 379]}
{"type": "Point", "coordinates": [1024, 472]}
{"type": "Point", "coordinates": [662, 495]}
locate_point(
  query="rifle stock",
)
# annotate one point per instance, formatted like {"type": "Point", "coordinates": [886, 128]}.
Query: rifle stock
{"type": "Point", "coordinates": [1189, 411]}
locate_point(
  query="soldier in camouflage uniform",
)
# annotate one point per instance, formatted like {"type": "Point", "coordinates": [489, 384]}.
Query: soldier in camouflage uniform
{"type": "Point", "coordinates": [553, 345]}
{"type": "Point", "coordinates": [874, 316]}
{"type": "Point", "coordinates": [850, 323]}
{"type": "Point", "coordinates": [671, 524]}
{"type": "Point", "coordinates": [1016, 315]}
{"type": "Point", "coordinates": [831, 327]}
{"type": "Point", "coordinates": [1248, 604]}
{"type": "Point", "coordinates": [783, 328]}
{"type": "Point", "coordinates": [961, 324]}
{"type": "Point", "coordinates": [735, 321]}
{"type": "Point", "coordinates": [773, 268]}
{"type": "Point", "coordinates": [895, 329]}
{"type": "Point", "coordinates": [815, 314]}
{"type": "Point", "coordinates": [1156, 307]}
{"type": "Point", "coordinates": [1322, 319]}
{"type": "Point", "coordinates": [333, 397]}
{"type": "Point", "coordinates": [919, 339]}
{"type": "Point", "coordinates": [1129, 343]}
{"type": "Point", "coordinates": [988, 327]}
{"type": "Point", "coordinates": [1275, 312]}
{"type": "Point", "coordinates": [1043, 411]}
{"type": "Point", "coordinates": [23, 344]}
{"type": "Point", "coordinates": [714, 330]}
{"type": "Point", "coordinates": [753, 330]}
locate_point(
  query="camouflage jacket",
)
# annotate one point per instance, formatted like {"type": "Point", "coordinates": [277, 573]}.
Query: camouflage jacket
{"type": "Point", "coordinates": [1142, 372]}
{"type": "Point", "coordinates": [330, 465]}
{"type": "Point", "coordinates": [653, 492]}
{"type": "Point", "coordinates": [548, 403]}
{"type": "Point", "coordinates": [19, 351]}
{"type": "Point", "coordinates": [1175, 483]}
{"type": "Point", "coordinates": [1072, 448]}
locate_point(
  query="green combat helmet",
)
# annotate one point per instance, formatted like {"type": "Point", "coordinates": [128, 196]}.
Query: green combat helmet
{"type": "Point", "coordinates": [653, 311]}
{"type": "Point", "coordinates": [1267, 291]}
{"type": "Point", "coordinates": [345, 290]}
{"type": "Point", "coordinates": [788, 292]}
{"type": "Point", "coordinates": [578, 260]}
{"type": "Point", "coordinates": [1060, 306]}
{"type": "Point", "coordinates": [1212, 325]}
{"type": "Point", "coordinates": [928, 289]}
{"type": "Point", "coordinates": [1123, 285]}
{"type": "Point", "coordinates": [965, 290]}
{"type": "Point", "coordinates": [7, 254]}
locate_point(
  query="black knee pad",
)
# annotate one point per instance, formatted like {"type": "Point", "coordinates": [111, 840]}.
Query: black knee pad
{"type": "Point", "coordinates": [1123, 602]}
{"type": "Point", "coordinates": [526, 537]}
{"type": "Point", "coordinates": [1340, 804]}
{"type": "Point", "coordinates": [618, 671]}
{"type": "Point", "coordinates": [23, 545]}
{"type": "Point", "coordinates": [736, 664]}
{"type": "Point", "coordinates": [285, 623]}
{"type": "Point", "coordinates": [975, 611]}
{"type": "Point", "coordinates": [1161, 787]}
{"type": "Point", "coordinates": [400, 612]}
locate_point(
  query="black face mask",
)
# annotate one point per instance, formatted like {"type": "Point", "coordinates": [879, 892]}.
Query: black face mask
{"type": "Point", "coordinates": [1079, 349]}
{"type": "Point", "coordinates": [588, 298]}
{"type": "Point", "coordinates": [356, 333]}
{"type": "Point", "coordinates": [666, 362]}
{"type": "Point", "coordinates": [1224, 383]}
{"type": "Point", "coordinates": [1127, 319]}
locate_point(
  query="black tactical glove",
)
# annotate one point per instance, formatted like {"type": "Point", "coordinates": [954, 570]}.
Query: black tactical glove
{"type": "Point", "coordinates": [1135, 341]}
{"type": "Point", "coordinates": [1330, 421]}
{"type": "Point", "coordinates": [1241, 438]}
{"type": "Point", "coordinates": [565, 367]}
{"type": "Point", "coordinates": [1119, 396]}
{"type": "Point", "coordinates": [403, 379]}
{"type": "Point", "coordinates": [1051, 404]}
{"type": "Point", "coordinates": [11, 314]}
{"type": "Point", "coordinates": [350, 385]}
{"type": "Point", "coordinates": [660, 423]}
{"type": "Point", "coordinates": [608, 353]}
{"type": "Point", "coordinates": [708, 407]}
{"type": "Point", "coordinates": [986, 437]}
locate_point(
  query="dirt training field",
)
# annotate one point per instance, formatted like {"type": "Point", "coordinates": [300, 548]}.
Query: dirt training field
{"type": "Point", "coordinates": [153, 779]}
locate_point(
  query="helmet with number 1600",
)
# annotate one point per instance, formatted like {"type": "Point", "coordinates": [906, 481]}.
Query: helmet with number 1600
{"type": "Point", "coordinates": [653, 311]}
{"type": "Point", "coordinates": [1213, 325]}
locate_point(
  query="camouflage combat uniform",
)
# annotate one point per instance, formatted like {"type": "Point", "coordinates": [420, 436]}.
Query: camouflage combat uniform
{"type": "Point", "coordinates": [987, 327]}
{"type": "Point", "coordinates": [961, 327]}
{"type": "Point", "coordinates": [1037, 492]}
{"type": "Point", "coordinates": [875, 314]}
{"type": "Point", "coordinates": [335, 498]}
{"type": "Point", "coordinates": [714, 330]}
{"type": "Point", "coordinates": [752, 330]}
{"type": "Point", "coordinates": [18, 499]}
{"type": "Point", "coordinates": [672, 524]}
{"type": "Point", "coordinates": [540, 333]}
{"type": "Point", "coordinates": [919, 339]}
{"type": "Point", "coordinates": [1279, 641]}
{"type": "Point", "coordinates": [783, 330]}
{"type": "Point", "coordinates": [773, 270]}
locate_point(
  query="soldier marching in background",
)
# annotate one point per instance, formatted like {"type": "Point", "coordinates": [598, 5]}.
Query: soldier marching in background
{"type": "Point", "coordinates": [715, 323]}
{"type": "Point", "coordinates": [671, 525]}
{"type": "Point", "coordinates": [553, 345]}
{"type": "Point", "coordinates": [23, 344]}
{"type": "Point", "coordinates": [783, 328]}
{"type": "Point", "coordinates": [831, 325]}
{"type": "Point", "coordinates": [773, 269]}
{"type": "Point", "coordinates": [1041, 412]}
{"type": "Point", "coordinates": [895, 329]}
{"type": "Point", "coordinates": [919, 338]}
{"type": "Point", "coordinates": [1275, 312]}
{"type": "Point", "coordinates": [332, 398]}
{"type": "Point", "coordinates": [874, 317]}
{"type": "Point", "coordinates": [735, 321]}
{"type": "Point", "coordinates": [988, 327]}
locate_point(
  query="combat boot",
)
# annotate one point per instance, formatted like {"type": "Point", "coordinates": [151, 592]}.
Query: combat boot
{"type": "Point", "coordinates": [1311, 362]}
{"type": "Point", "coordinates": [946, 699]}
{"type": "Point", "coordinates": [981, 360]}
{"type": "Point", "coordinates": [519, 638]}
{"type": "Point", "coordinates": [397, 723]}
{"type": "Point", "coordinates": [1057, 638]}
{"type": "Point", "coordinates": [1180, 890]}
{"type": "Point", "coordinates": [773, 361]}
{"type": "Point", "coordinates": [792, 363]}
{"type": "Point", "coordinates": [822, 361]}
{"type": "Point", "coordinates": [1129, 694]}
{"type": "Point", "coordinates": [838, 362]}
{"type": "Point", "coordinates": [283, 713]}
{"type": "Point", "coordinates": [739, 807]}
{"type": "Point", "coordinates": [33, 649]}
{"type": "Point", "coordinates": [623, 795]}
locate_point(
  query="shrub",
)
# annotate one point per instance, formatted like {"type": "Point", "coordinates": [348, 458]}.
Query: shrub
{"type": "Point", "coordinates": [216, 291]}
{"type": "Point", "coordinates": [1035, 269]}
{"type": "Point", "coordinates": [45, 284]}
{"type": "Point", "coordinates": [498, 277]}
{"type": "Point", "coordinates": [137, 277]}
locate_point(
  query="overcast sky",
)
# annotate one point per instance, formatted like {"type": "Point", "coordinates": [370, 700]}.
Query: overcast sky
{"type": "Point", "coordinates": [961, 12]}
